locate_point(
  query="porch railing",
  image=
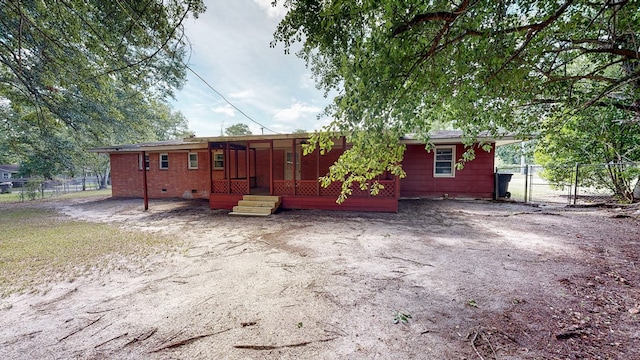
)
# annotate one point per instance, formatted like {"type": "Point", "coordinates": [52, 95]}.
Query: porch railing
{"type": "Point", "coordinates": [238, 186]}
{"type": "Point", "coordinates": [313, 188]}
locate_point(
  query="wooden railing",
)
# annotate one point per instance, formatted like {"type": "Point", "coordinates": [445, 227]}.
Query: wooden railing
{"type": "Point", "coordinates": [313, 188]}
{"type": "Point", "coordinates": [226, 186]}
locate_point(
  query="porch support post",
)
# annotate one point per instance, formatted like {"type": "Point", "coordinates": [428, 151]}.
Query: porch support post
{"type": "Point", "coordinates": [210, 169]}
{"type": "Point", "coordinates": [317, 171]}
{"type": "Point", "coordinates": [145, 191]}
{"type": "Point", "coordinates": [294, 167]}
{"type": "Point", "coordinates": [271, 167]}
{"type": "Point", "coordinates": [227, 166]}
{"type": "Point", "coordinates": [247, 168]}
{"type": "Point", "coordinates": [235, 153]}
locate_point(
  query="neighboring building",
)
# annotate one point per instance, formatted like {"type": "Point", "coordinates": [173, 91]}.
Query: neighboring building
{"type": "Point", "coordinates": [223, 169]}
{"type": "Point", "coordinates": [8, 172]}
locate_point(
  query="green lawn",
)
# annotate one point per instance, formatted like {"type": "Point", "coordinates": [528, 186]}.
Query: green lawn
{"type": "Point", "coordinates": [539, 190]}
{"type": "Point", "coordinates": [38, 246]}
{"type": "Point", "coordinates": [14, 196]}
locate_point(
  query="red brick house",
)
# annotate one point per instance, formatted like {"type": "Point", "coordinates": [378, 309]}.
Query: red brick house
{"type": "Point", "coordinates": [223, 169]}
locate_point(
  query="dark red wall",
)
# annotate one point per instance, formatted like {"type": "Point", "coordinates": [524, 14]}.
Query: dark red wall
{"type": "Point", "coordinates": [474, 181]}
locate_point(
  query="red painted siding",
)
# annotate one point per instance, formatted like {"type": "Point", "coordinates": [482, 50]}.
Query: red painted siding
{"type": "Point", "coordinates": [329, 203]}
{"type": "Point", "coordinates": [475, 180]}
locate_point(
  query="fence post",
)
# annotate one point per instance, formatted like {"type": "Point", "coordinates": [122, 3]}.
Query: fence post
{"type": "Point", "coordinates": [495, 185]}
{"type": "Point", "coordinates": [575, 190]}
{"type": "Point", "coordinates": [526, 182]}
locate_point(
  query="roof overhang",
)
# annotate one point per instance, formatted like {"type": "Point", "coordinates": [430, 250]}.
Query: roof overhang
{"type": "Point", "coordinates": [236, 138]}
{"type": "Point", "coordinates": [196, 143]}
{"type": "Point", "coordinates": [456, 137]}
{"type": "Point", "coordinates": [148, 147]}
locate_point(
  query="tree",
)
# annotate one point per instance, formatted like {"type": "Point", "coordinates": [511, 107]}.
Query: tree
{"type": "Point", "coordinates": [74, 64]}
{"type": "Point", "coordinates": [598, 140]}
{"type": "Point", "coordinates": [88, 73]}
{"type": "Point", "coordinates": [55, 149]}
{"type": "Point", "coordinates": [61, 56]}
{"type": "Point", "coordinates": [238, 129]}
{"type": "Point", "coordinates": [401, 66]}
{"type": "Point", "coordinates": [511, 154]}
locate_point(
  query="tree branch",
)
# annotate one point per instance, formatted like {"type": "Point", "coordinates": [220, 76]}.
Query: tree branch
{"type": "Point", "coordinates": [448, 17]}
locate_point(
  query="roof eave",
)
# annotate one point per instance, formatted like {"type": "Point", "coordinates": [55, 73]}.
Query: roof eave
{"type": "Point", "coordinates": [154, 148]}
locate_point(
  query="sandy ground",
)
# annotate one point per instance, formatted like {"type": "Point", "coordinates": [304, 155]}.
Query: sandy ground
{"type": "Point", "coordinates": [439, 280]}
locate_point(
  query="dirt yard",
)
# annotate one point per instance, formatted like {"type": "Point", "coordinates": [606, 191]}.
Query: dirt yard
{"type": "Point", "coordinates": [439, 280]}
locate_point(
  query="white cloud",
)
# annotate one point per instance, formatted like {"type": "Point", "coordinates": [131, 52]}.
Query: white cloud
{"type": "Point", "coordinates": [231, 52]}
{"type": "Point", "coordinates": [296, 112]}
{"type": "Point", "coordinates": [226, 109]}
{"type": "Point", "coordinates": [276, 12]}
{"type": "Point", "coordinates": [242, 95]}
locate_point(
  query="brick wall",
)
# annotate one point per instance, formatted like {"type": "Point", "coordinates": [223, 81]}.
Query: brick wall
{"type": "Point", "coordinates": [176, 181]}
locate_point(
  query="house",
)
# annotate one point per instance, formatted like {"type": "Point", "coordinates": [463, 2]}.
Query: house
{"type": "Point", "coordinates": [8, 172]}
{"type": "Point", "coordinates": [224, 169]}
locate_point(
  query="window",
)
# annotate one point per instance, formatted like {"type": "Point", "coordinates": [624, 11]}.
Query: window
{"type": "Point", "coordinates": [193, 160]}
{"type": "Point", "coordinates": [164, 161]}
{"type": "Point", "coordinates": [218, 161]}
{"type": "Point", "coordinates": [444, 161]}
{"type": "Point", "coordinates": [6, 175]}
{"type": "Point", "coordinates": [146, 161]}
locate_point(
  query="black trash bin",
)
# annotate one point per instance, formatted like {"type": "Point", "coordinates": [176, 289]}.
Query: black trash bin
{"type": "Point", "coordinates": [502, 181]}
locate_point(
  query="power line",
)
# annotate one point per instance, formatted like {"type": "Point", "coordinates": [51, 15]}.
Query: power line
{"type": "Point", "coordinates": [227, 101]}
{"type": "Point", "coordinates": [143, 26]}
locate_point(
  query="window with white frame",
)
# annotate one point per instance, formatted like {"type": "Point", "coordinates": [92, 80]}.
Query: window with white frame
{"type": "Point", "coordinates": [164, 161]}
{"type": "Point", "coordinates": [146, 161]}
{"type": "Point", "coordinates": [218, 161]}
{"type": "Point", "coordinates": [6, 175]}
{"type": "Point", "coordinates": [444, 161]}
{"type": "Point", "coordinates": [193, 160]}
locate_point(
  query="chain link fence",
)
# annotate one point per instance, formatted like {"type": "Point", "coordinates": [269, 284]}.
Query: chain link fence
{"type": "Point", "coordinates": [578, 184]}
{"type": "Point", "coordinates": [34, 188]}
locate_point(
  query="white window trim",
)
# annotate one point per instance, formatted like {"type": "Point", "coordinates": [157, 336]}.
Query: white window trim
{"type": "Point", "coordinates": [160, 161]}
{"type": "Point", "coordinates": [140, 161]}
{"type": "Point", "coordinates": [214, 161]}
{"type": "Point", "coordinates": [191, 167]}
{"type": "Point", "coordinates": [453, 161]}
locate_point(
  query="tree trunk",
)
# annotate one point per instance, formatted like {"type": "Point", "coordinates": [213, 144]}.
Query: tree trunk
{"type": "Point", "coordinates": [103, 180]}
{"type": "Point", "coordinates": [636, 191]}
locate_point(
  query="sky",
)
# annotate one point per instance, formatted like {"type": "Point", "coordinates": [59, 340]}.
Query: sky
{"type": "Point", "coordinates": [230, 49]}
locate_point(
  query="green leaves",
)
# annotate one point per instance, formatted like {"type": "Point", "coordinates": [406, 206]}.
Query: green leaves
{"type": "Point", "coordinates": [238, 129]}
{"type": "Point", "coordinates": [593, 136]}
{"type": "Point", "coordinates": [81, 73]}
{"type": "Point", "coordinates": [404, 66]}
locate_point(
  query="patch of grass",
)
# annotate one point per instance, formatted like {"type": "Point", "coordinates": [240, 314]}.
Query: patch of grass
{"type": "Point", "coordinates": [38, 246]}
{"type": "Point", "coordinates": [14, 196]}
{"type": "Point", "coordinates": [10, 197]}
